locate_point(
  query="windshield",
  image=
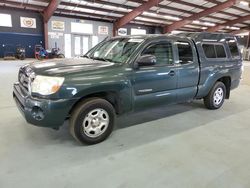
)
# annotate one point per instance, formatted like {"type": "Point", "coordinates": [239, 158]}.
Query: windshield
{"type": "Point", "coordinates": [116, 50]}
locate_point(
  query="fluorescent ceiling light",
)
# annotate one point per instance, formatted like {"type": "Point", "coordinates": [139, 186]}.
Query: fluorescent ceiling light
{"type": "Point", "coordinates": [149, 14]}
{"type": "Point", "coordinates": [157, 15]}
{"type": "Point", "coordinates": [196, 22]}
{"type": "Point", "coordinates": [233, 28]}
{"type": "Point", "coordinates": [209, 24]}
{"type": "Point", "coordinates": [244, 3]}
{"type": "Point", "coordinates": [175, 32]}
{"type": "Point", "coordinates": [203, 23]}
{"type": "Point", "coordinates": [172, 18]}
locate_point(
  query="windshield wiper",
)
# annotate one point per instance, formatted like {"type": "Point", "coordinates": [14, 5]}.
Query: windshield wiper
{"type": "Point", "coordinates": [85, 56]}
{"type": "Point", "coordinates": [101, 59]}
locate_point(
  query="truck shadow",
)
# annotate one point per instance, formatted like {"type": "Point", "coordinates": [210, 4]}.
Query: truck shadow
{"type": "Point", "coordinates": [136, 129]}
{"type": "Point", "coordinates": [156, 113]}
{"type": "Point", "coordinates": [132, 120]}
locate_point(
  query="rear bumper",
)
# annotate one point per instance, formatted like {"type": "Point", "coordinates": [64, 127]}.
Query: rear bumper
{"type": "Point", "coordinates": [42, 112]}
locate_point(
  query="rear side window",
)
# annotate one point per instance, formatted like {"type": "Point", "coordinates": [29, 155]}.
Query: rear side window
{"type": "Point", "coordinates": [209, 50]}
{"type": "Point", "coordinates": [214, 50]}
{"type": "Point", "coordinates": [233, 48]}
{"type": "Point", "coordinates": [220, 51]}
{"type": "Point", "coordinates": [185, 52]}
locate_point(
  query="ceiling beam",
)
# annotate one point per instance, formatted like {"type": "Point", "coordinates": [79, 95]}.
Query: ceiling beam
{"type": "Point", "coordinates": [135, 12]}
{"type": "Point", "coordinates": [234, 7]}
{"type": "Point", "coordinates": [23, 5]}
{"type": "Point", "coordinates": [187, 4]}
{"type": "Point", "coordinates": [196, 16]}
{"type": "Point", "coordinates": [229, 23]}
{"type": "Point", "coordinates": [50, 9]}
{"type": "Point", "coordinates": [106, 11]}
{"type": "Point", "coordinates": [242, 30]}
{"type": "Point", "coordinates": [166, 7]}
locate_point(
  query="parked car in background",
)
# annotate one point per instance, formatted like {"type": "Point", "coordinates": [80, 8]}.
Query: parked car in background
{"type": "Point", "coordinates": [125, 74]}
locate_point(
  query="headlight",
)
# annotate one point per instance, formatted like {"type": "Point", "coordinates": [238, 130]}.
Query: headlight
{"type": "Point", "coordinates": [46, 85]}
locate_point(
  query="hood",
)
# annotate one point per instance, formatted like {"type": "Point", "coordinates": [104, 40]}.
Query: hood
{"type": "Point", "coordinates": [62, 67]}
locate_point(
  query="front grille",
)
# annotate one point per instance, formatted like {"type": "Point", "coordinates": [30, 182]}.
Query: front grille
{"type": "Point", "coordinates": [24, 78]}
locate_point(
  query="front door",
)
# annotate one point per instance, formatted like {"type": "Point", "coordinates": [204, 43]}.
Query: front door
{"type": "Point", "coordinates": [80, 45]}
{"type": "Point", "coordinates": [156, 84]}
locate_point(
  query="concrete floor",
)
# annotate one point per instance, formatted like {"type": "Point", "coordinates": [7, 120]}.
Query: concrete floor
{"type": "Point", "coordinates": [179, 146]}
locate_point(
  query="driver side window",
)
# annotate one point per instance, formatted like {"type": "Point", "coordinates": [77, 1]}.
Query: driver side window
{"type": "Point", "coordinates": [162, 51]}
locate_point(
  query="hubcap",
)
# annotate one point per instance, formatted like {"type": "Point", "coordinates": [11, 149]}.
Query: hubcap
{"type": "Point", "coordinates": [95, 122]}
{"type": "Point", "coordinates": [218, 96]}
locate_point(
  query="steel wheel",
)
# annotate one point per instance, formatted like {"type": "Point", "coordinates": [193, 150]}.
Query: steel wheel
{"type": "Point", "coordinates": [95, 122]}
{"type": "Point", "coordinates": [218, 96]}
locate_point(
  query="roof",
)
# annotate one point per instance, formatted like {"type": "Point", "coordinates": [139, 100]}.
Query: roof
{"type": "Point", "coordinates": [165, 13]}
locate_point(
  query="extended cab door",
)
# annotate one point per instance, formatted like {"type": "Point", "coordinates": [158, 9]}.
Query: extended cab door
{"type": "Point", "coordinates": [156, 84]}
{"type": "Point", "coordinates": [187, 70]}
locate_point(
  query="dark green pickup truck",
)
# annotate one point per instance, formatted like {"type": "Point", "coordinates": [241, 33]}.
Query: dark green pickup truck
{"type": "Point", "coordinates": [124, 74]}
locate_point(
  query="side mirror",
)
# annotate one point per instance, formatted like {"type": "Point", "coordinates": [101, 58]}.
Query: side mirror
{"type": "Point", "coordinates": [146, 60]}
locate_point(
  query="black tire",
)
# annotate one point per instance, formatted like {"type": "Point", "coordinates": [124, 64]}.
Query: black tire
{"type": "Point", "coordinates": [61, 56]}
{"type": "Point", "coordinates": [22, 57]}
{"type": "Point", "coordinates": [40, 58]}
{"type": "Point", "coordinates": [210, 101]}
{"type": "Point", "coordinates": [79, 114]}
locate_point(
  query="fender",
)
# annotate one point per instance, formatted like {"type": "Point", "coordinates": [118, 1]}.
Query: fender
{"type": "Point", "coordinates": [212, 78]}
{"type": "Point", "coordinates": [120, 90]}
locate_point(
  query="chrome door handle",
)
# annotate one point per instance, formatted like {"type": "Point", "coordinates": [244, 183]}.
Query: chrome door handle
{"type": "Point", "coordinates": [171, 73]}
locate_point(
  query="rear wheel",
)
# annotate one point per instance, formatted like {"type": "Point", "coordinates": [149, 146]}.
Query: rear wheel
{"type": "Point", "coordinates": [61, 56]}
{"type": "Point", "coordinates": [216, 97]}
{"type": "Point", "coordinates": [92, 121]}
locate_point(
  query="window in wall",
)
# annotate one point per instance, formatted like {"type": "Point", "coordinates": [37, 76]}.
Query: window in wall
{"type": "Point", "coordinates": [135, 31]}
{"type": "Point", "coordinates": [81, 28]}
{"type": "Point", "coordinates": [233, 48]}
{"type": "Point", "coordinates": [162, 51]}
{"type": "Point", "coordinates": [214, 50]}
{"type": "Point", "coordinates": [67, 44]}
{"type": "Point", "coordinates": [94, 40]}
{"type": "Point", "coordinates": [5, 20]}
{"type": "Point", "coordinates": [185, 52]}
{"type": "Point", "coordinates": [85, 41]}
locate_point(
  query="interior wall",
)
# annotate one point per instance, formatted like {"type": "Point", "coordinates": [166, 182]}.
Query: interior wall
{"type": "Point", "coordinates": [17, 35]}
{"type": "Point", "coordinates": [65, 38]}
{"type": "Point", "coordinates": [149, 29]}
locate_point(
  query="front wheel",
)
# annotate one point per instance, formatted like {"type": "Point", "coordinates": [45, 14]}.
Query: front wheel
{"type": "Point", "coordinates": [215, 98]}
{"type": "Point", "coordinates": [92, 121]}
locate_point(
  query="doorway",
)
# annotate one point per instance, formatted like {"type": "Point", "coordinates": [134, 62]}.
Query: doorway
{"type": "Point", "coordinates": [81, 45]}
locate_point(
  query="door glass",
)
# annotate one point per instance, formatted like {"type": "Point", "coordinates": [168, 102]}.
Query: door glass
{"type": "Point", "coordinates": [185, 52]}
{"type": "Point", "coordinates": [77, 46]}
{"type": "Point", "coordinates": [162, 52]}
{"type": "Point", "coordinates": [85, 43]}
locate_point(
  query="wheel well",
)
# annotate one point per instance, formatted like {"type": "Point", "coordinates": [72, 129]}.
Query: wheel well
{"type": "Point", "coordinates": [111, 97]}
{"type": "Point", "coordinates": [227, 82]}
